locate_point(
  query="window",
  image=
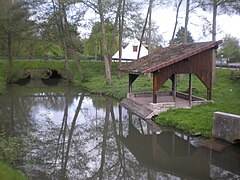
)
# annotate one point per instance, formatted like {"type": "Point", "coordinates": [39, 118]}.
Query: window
{"type": "Point", "coordinates": [135, 48]}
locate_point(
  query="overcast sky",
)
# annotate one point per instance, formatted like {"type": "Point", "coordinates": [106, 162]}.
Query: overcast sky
{"type": "Point", "coordinates": [165, 19]}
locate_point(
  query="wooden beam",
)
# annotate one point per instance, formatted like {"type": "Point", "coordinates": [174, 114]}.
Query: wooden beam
{"type": "Point", "coordinates": [155, 86]}
{"type": "Point", "coordinates": [209, 93]}
{"type": "Point", "coordinates": [174, 87]}
{"type": "Point", "coordinates": [190, 90]}
{"type": "Point", "coordinates": [131, 79]}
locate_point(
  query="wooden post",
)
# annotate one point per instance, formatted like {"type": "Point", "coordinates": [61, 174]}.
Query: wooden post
{"type": "Point", "coordinates": [209, 94]}
{"type": "Point", "coordinates": [129, 86]}
{"type": "Point", "coordinates": [174, 87]}
{"type": "Point", "coordinates": [155, 88]}
{"type": "Point", "coordinates": [190, 90]}
{"type": "Point", "coordinates": [131, 79]}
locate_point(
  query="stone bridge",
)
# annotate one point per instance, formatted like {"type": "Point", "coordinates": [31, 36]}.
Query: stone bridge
{"type": "Point", "coordinates": [45, 73]}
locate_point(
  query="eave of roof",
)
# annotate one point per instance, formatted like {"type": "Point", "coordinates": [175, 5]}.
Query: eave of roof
{"type": "Point", "coordinates": [153, 62]}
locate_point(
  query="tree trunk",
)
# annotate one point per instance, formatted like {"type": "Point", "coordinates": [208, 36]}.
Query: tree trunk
{"type": "Point", "coordinates": [10, 48]}
{"type": "Point", "coordinates": [113, 40]}
{"type": "Point", "coordinates": [176, 21]}
{"type": "Point", "coordinates": [121, 23]}
{"type": "Point", "coordinates": [69, 40]}
{"type": "Point", "coordinates": [104, 45]}
{"type": "Point", "coordinates": [10, 58]}
{"type": "Point", "coordinates": [150, 35]}
{"type": "Point", "coordinates": [144, 27]}
{"type": "Point", "coordinates": [65, 37]}
{"type": "Point", "coordinates": [214, 23]}
{"type": "Point", "coordinates": [60, 25]}
{"type": "Point", "coordinates": [150, 30]}
{"type": "Point", "coordinates": [181, 76]}
{"type": "Point", "coordinates": [186, 21]}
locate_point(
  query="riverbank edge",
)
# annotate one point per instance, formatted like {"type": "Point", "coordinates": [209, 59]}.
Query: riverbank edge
{"type": "Point", "coordinates": [186, 120]}
{"type": "Point", "coordinates": [194, 121]}
{"type": "Point", "coordinates": [7, 172]}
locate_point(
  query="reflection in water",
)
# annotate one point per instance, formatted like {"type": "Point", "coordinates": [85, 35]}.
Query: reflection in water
{"type": "Point", "coordinates": [74, 135]}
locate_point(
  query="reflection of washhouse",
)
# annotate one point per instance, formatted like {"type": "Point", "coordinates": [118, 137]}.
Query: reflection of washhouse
{"type": "Point", "coordinates": [168, 153]}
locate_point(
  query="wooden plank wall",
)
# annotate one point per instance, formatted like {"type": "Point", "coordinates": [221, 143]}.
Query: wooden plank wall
{"type": "Point", "coordinates": [200, 65]}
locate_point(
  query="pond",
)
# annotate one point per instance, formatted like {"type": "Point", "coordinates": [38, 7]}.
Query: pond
{"type": "Point", "coordinates": [67, 133]}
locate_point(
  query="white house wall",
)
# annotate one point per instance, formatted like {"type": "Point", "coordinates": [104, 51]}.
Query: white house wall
{"type": "Point", "coordinates": [128, 54]}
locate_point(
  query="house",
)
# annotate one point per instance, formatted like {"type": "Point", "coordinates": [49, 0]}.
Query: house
{"type": "Point", "coordinates": [130, 52]}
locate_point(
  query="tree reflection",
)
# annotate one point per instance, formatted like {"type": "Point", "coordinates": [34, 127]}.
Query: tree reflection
{"type": "Point", "coordinates": [76, 140]}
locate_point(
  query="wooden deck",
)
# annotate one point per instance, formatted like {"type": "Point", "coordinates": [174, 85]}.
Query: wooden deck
{"type": "Point", "coordinates": [142, 105]}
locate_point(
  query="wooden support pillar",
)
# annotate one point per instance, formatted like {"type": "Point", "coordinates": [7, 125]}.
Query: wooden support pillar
{"type": "Point", "coordinates": [131, 79]}
{"type": "Point", "coordinates": [209, 94]}
{"type": "Point", "coordinates": [155, 86]}
{"type": "Point", "coordinates": [190, 90]}
{"type": "Point", "coordinates": [174, 87]}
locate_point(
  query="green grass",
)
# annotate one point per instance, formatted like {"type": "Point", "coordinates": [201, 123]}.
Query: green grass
{"type": "Point", "coordinates": [198, 120]}
{"type": "Point", "coordinates": [7, 173]}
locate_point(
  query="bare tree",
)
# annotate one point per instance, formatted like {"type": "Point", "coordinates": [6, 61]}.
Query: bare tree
{"type": "Point", "coordinates": [60, 19]}
{"type": "Point", "coordinates": [104, 44]}
{"type": "Point", "coordinates": [218, 6]}
{"type": "Point", "coordinates": [144, 27]}
{"type": "Point", "coordinates": [178, 4]}
{"type": "Point", "coordinates": [121, 23]}
{"type": "Point", "coordinates": [186, 21]}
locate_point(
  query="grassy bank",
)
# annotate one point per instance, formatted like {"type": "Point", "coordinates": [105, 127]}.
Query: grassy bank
{"type": "Point", "coordinates": [198, 120]}
{"type": "Point", "coordinates": [7, 173]}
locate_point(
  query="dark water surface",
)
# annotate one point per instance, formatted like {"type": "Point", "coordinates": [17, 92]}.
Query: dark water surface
{"type": "Point", "coordinates": [69, 134]}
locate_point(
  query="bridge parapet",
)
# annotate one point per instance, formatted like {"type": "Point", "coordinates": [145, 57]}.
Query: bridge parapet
{"type": "Point", "coordinates": [226, 126]}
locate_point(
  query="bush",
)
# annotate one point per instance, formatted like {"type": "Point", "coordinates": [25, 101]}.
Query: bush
{"type": "Point", "coordinates": [10, 148]}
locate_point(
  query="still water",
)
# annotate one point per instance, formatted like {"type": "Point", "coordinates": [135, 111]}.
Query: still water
{"type": "Point", "coordinates": [70, 134]}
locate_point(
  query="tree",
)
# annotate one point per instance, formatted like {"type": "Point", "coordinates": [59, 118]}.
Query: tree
{"type": "Point", "coordinates": [120, 33]}
{"type": "Point", "coordinates": [92, 45]}
{"type": "Point", "coordinates": [133, 20]}
{"type": "Point", "coordinates": [145, 25]}
{"type": "Point", "coordinates": [178, 4]}
{"type": "Point", "coordinates": [103, 9]}
{"type": "Point", "coordinates": [15, 25]}
{"type": "Point", "coordinates": [217, 7]}
{"type": "Point", "coordinates": [186, 40]}
{"type": "Point", "coordinates": [104, 43]}
{"type": "Point", "coordinates": [180, 36]}
{"type": "Point", "coordinates": [230, 47]}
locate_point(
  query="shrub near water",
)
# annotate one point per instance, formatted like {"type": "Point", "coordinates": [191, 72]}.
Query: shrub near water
{"type": "Point", "coordinates": [10, 148]}
{"type": "Point", "coordinates": [10, 152]}
{"type": "Point", "coordinates": [2, 84]}
{"type": "Point", "coordinates": [7, 173]}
